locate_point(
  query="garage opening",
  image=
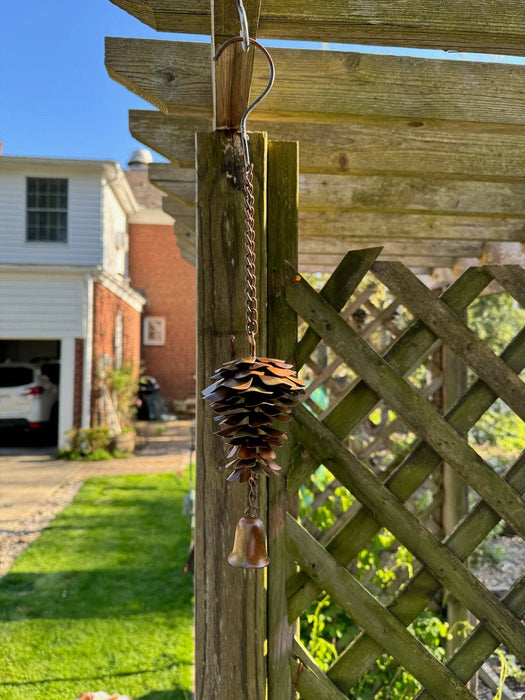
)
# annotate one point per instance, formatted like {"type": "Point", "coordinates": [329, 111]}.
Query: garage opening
{"type": "Point", "coordinates": [29, 392]}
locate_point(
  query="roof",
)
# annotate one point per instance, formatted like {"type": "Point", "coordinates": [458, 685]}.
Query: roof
{"type": "Point", "coordinates": [146, 194]}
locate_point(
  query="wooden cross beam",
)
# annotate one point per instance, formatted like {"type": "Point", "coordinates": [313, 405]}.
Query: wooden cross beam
{"type": "Point", "coordinates": [464, 25]}
{"type": "Point", "coordinates": [325, 86]}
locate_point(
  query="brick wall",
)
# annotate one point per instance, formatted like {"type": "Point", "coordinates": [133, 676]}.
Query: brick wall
{"type": "Point", "coordinates": [106, 306]}
{"type": "Point", "coordinates": [79, 372]}
{"type": "Point", "coordinates": [169, 283]}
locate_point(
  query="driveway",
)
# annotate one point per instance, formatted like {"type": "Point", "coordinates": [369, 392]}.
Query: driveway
{"type": "Point", "coordinates": [30, 476]}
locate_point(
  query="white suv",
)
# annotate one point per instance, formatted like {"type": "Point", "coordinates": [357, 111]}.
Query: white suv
{"type": "Point", "coordinates": [28, 398]}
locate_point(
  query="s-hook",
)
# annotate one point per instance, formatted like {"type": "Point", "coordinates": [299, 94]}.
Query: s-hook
{"type": "Point", "coordinates": [271, 65]}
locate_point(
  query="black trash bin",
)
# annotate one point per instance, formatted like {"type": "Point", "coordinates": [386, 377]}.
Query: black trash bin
{"type": "Point", "coordinates": [152, 403]}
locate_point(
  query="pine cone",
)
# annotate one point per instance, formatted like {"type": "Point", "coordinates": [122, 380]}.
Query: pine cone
{"type": "Point", "coordinates": [250, 395]}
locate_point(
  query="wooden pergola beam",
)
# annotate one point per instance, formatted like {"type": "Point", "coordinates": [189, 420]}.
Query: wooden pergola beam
{"type": "Point", "coordinates": [363, 145]}
{"type": "Point", "coordinates": [396, 194]}
{"type": "Point", "coordinates": [465, 25]}
{"type": "Point", "coordinates": [325, 85]}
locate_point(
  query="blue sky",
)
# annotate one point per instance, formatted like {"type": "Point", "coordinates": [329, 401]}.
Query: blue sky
{"type": "Point", "coordinates": [56, 99]}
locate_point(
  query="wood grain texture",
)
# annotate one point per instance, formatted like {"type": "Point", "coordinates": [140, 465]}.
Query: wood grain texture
{"type": "Point", "coordinates": [282, 243]}
{"type": "Point", "coordinates": [417, 466]}
{"type": "Point", "coordinates": [416, 595]}
{"type": "Point", "coordinates": [179, 183]}
{"type": "Point", "coordinates": [230, 605]}
{"type": "Point", "coordinates": [465, 25]}
{"type": "Point", "coordinates": [310, 681]}
{"type": "Point", "coordinates": [334, 194]}
{"type": "Point", "coordinates": [415, 410]}
{"type": "Point", "coordinates": [337, 291]}
{"type": "Point", "coordinates": [512, 279]}
{"type": "Point", "coordinates": [232, 72]}
{"type": "Point", "coordinates": [325, 85]}
{"type": "Point", "coordinates": [184, 216]}
{"type": "Point", "coordinates": [457, 335]}
{"type": "Point", "coordinates": [364, 145]}
{"type": "Point", "coordinates": [404, 355]}
{"type": "Point", "coordinates": [480, 644]}
{"type": "Point", "coordinates": [362, 607]}
{"type": "Point", "coordinates": [408, 530]}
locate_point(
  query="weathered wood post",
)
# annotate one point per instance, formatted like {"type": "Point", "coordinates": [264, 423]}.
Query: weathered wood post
{"type": "Point", "coordinates": [283, 194]}
{"type": "Point", "coordinates": [455, 490]}
{"type": "Point", "coordinates": [230, 603]}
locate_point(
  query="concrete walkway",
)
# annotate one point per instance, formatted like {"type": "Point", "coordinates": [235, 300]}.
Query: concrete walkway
{"type": "Point", "coordinates": [29, 477]}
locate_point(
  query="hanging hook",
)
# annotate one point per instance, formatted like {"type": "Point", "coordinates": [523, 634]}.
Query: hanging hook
{"type": "Point", "coordinates": [254, 104]}
{"type": "Point", "coordinates": [245, 34]}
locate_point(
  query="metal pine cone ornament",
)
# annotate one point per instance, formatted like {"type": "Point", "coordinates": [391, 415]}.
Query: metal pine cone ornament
{"type": "Point", "coordinates": [249, 396]}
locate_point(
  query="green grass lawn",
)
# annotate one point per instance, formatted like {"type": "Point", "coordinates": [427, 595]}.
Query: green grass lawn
{"type": "Point", "coordinates": [98, 602]}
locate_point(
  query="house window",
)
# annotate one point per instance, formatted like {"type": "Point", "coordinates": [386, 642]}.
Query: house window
{"type": "Point", "coordinates": [154, 330]}
{"type": "Point", "coordinates": [46, 209]}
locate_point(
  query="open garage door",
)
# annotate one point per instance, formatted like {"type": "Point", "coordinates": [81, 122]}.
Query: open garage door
{"type": "Point", "coordinates": [29, 391]}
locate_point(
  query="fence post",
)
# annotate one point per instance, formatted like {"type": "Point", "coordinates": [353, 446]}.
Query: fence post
{"type": "Point", "coordinates": [230, 603]}
{"type": "Point", "coordinates": [455, 492]}
{"type": "Point", "coordinates": [283, 192]}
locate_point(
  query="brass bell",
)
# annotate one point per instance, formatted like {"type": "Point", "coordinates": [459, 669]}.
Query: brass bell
{"type": "Point", "coordinates": [249, 548]}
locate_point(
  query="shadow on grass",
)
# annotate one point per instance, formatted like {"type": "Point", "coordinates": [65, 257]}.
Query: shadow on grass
{"type": "Point", "coordinates": [175, 694]}
{"type": "Point", "coordinates": [118, 550]}
{"type": "Point", "coordinates": [101, 593]}
{"type": "Point", "coordinates": [179, 692]}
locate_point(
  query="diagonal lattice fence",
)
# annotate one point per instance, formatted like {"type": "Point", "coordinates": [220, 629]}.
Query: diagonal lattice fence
{"type": "Point", "coordinates": [370, 437]}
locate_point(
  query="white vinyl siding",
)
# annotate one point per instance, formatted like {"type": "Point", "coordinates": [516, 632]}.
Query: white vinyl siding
{"type": "Point", "coordinates": [41, 306]}
{"type": "Point", "coordinates": [84, 235]}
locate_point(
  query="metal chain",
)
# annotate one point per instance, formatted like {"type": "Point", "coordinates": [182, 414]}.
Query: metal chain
{"type": "Point", "coordinates": [251, 510]}
{"type": "Point", "coordinates": [249, 200]}
{"type": "Point", "coordinates": [250, 259]}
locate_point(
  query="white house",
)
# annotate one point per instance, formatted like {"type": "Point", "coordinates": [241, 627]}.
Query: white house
{"type": "Point", "coordinates": [64, 291]}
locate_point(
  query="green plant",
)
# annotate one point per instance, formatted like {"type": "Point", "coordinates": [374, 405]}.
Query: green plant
{"type": "Point", "coordinates": [88, 440]}
{"type": "Point", "coordinates": [123, 385]}
{"type": "Point", "coordinates": [160, 430]}
{"type": "Point", "coordinates": [89, 445]}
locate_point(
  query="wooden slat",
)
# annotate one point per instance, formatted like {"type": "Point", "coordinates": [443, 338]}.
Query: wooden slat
{"type": "Point", "coordinates": [361, 606]}
{"type": "Point", "coordinates": [480, 644]}
{"type": "Point", "coordinates": [410, 474]}
{"type": "Point", "coordinates": [377, 193]}
{"type": "Point", "coordinates": [417, 593]}
{"type": "Point", "coordinates": [421, 416]}
{"type": "Point", "coordinates": [310, 681]}
{"type": "Point", "coordinates": [179, 183]}
{"type": "Point", "coordinates": [393, 245]}
{"type": "Point", "coordinates": [455, 333]}
{"type": "Point", "coordinates": [325, 85]}
{"type": "Point", "coordinates": [465, 25]}
{"type": "Point", "coordinates": [221, 620]}
{"type": "Point", "coordinates": [172, 136]}
{"type": "Point", "coordinates": [405, 354]}
{"type": "Point", "coordinates": [337, 290]}
{"type": "Point", "coordinates": [362, 145]}
{"type": "Point", "coordinates": [282, 240]}
{"type": "Point", "coordinates": [512, 279]}
{"type": "Point", "coordinates": [317, 262]}
{"type": "Point", "coordinates": [405, 193]}
{"type": "Point", "coordinates": [393, 515]}
{"type": "Point", "coordinates": [184, 216]}
{"type": "Point", "coordinates": [339, 224]}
